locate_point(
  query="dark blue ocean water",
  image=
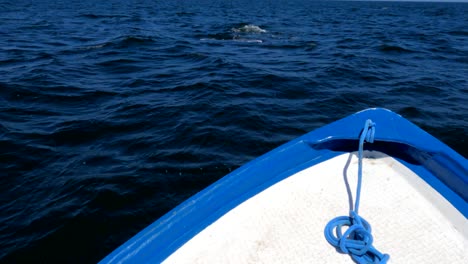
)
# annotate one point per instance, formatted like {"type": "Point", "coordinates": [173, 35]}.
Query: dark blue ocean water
{"type": "Point", "coordinates": [113, 112]}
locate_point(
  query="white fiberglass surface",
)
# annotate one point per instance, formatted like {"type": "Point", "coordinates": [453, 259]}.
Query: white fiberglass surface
{"type": "Point", "coordinates": [284, 224]}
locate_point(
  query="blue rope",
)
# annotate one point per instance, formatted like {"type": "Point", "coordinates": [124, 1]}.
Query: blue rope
{"type": "Point", "coordinates": [357, 239]}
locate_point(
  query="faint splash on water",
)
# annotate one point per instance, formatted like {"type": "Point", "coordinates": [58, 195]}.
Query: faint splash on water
{"type": "Point", "coordinates": [249, 29]}
{"type": "Point", "coordinates": [247, 33]}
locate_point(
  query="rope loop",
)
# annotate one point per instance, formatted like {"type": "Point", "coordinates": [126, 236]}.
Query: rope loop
{"type": "Point", "coordinates": [357, 239]}
{"type": "Point", "coordinates": [368, 132]}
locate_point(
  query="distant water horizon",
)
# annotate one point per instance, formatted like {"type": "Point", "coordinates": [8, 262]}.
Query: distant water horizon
{"type": "Point", "coordinates": [114, 112]}
{"type": "Point", "coordinates": [408, 1]}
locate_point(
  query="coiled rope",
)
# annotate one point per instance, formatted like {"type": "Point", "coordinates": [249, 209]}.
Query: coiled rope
{"type": "Point", "coordinates": [357, 239]}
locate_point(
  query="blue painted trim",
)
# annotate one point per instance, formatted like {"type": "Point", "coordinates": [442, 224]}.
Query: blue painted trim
{"type": "Point", "coordinates": [441, 167]}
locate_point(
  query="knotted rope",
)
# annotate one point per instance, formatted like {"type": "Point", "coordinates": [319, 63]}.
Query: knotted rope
{"type": "Point", "coordinates": [357, 239]}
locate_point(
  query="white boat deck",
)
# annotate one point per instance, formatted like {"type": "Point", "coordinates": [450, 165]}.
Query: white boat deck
{"type": "Point", "coordinates": [284, 224]}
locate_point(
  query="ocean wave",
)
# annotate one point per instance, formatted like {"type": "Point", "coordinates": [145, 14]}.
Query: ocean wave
{"type": "Point", "coordinates": [411, 112]}
{"type": "Point", "coordinates": [130, 41]}
{"type": "Point", "coordinates": [459, 32]}
{"type": "Point", "coordinates": [291, 45]}
{"type": "Point", "coordinates": [232, 39]}
{"type": "Point", "coordinates": [185, 14]}
{"type": "Point", "coordinates": [196, 57]}
{"type": "Point", "coordinates": [92, 47]}
{"type": "Point", "coordinates": [98, 16]}
{"type": "Point", "coordinates": [89, 44]}
{"type": "Point", "coordinates": [394, 49]}
{"type": "Point", "coordinates": [216, 36]}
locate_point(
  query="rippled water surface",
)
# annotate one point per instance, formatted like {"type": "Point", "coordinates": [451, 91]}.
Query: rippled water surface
{"type": "Point", "coordinates": [113, 112]}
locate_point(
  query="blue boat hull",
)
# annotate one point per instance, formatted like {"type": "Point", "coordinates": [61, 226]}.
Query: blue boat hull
{"type": "Point", "coordinates": [441, 167]}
